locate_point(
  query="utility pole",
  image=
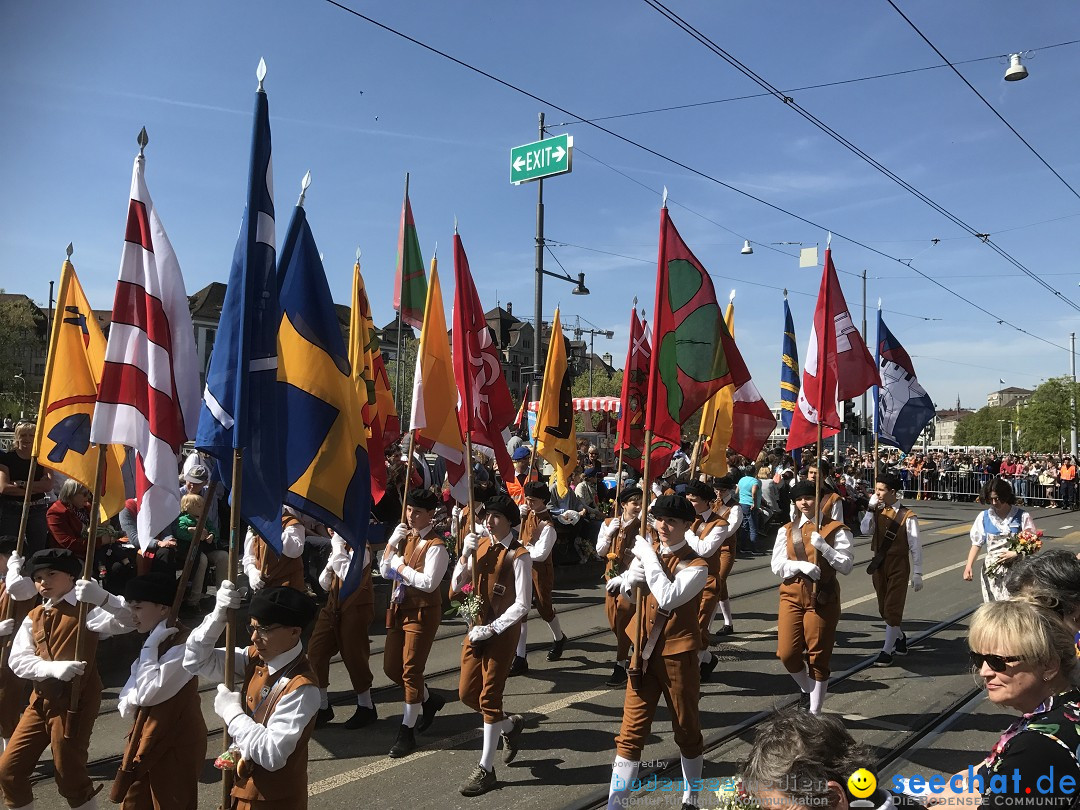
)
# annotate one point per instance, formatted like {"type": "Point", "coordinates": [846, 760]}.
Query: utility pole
{"type": "Point", "coordinates": [1072, 394]}
{"type": "Point", "coordinates": [865, 415]}
{"type": "Point", "coordinates": [538, 295]}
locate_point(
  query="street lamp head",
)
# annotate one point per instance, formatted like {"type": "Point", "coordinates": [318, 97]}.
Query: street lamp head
{"type": "Point", "coordinates": [1016, 70]}
{"type": "Point", "coordinates": [580, 289]}
{"type": "Point", "coordinates": [609, 334]}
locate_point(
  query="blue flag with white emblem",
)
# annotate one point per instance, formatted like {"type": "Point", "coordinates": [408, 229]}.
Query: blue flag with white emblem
{"type": "Point", "coordinates": [240, 404]}
{"type": "Point", "coordinates": [326, 461]}
{"type": "Point", "coordinates": [903, 406]}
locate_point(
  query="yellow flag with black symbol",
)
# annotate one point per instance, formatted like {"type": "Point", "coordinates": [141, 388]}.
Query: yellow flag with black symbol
{"type": "Point", "coordinates": [556, 438]}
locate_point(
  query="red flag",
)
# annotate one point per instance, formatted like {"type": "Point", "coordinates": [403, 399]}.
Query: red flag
{"type": "Point", "coordinates": [693, 355]}
{"type": "Point", "coordinates": [486, 409]}
{"type": "Point", "coordinates": [630, 437]}
{"type": "Point", "coordinates": [838, 364]}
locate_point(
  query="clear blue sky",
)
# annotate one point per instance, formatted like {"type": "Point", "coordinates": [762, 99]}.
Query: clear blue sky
{"type": "Point", "coordinates": [359, 107]}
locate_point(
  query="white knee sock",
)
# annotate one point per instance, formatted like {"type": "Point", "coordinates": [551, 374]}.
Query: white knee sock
{"type": "Point", "coordinates": [725, 608]}
{"type": "Point", "coordinates": [523, 638]}
{"type": "Point", "coordinates": [817, 697]}
{"type": "Point", "coordinates": [427, 694]}
{"type": "Point", "coordinates": [691, 774]}
{"type": "Point", "coordinates": [623, 774]}
{"type": "Point", "coordinates": [891, 635]}
{"type": "Point", "coordinates": [704, 657]}
{"type": "Point", "coordinates": [324, 699]}
{"type": "Point", "coordinates": [410, 715]}
{"type": "Point", "coordinates": [802, 678]}
{"type": "Point", "coordinates": [364, 699]}
{"type": "Point", "coordinates": [556, 629]}
{"type": "Point", "coordinates": [625, 663]}
{"type": "Point", "coordinates": [491, 745]}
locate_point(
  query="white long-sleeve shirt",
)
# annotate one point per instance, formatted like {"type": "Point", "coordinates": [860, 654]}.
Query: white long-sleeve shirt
{"type": "Point", "coordinates": [978, 535]}
{"type": "Point", "coordinates": [269, 745]}
{"type": "Point", "coordinates": [543, 544]}
{"type": "Point", "coordinates": [337, 565]}
{"type": "Point", "coordinates": [522, 586]}
{"type": "Point", "coordinates": [839, 555]}
{"type": "Point", "coordinates": [435, 562]}
{"type": "Point", "coordinates": [709, 544]}
{"type": "Point", "coordinates": [669, 594]}
{"type": "Point", "coordinates": [293, 538]}
{"type": "Point", "coordinates": [911, 528]}
{"type": "Point", "coordinates": [153, 680]}
{"type": "Point", "coordinates": [22, 660]}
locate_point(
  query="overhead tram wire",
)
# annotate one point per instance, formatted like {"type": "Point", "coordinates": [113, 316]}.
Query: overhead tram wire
{"type": "Point", "coordinates": [698, 172]}
{"type": "Point", "coordinates": [982, 98]}
{"type": "Point", "coordinates": [790, 102]}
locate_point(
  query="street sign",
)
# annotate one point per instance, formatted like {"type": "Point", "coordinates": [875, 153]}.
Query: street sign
{"type": "Point", "coordinates": [540, 159]}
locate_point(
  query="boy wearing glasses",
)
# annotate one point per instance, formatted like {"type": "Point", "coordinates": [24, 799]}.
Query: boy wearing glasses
{"type": "Point", "coordinates": [271, 718]}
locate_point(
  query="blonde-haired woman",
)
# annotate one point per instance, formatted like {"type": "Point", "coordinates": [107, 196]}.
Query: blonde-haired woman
{"type": "Point", "coordinates": [14, 470]}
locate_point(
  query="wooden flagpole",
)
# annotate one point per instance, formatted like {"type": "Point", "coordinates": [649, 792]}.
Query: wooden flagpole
{"type": "Point", "coordinates": [235, 542]}
{"type": "Point", "coordinates": [193, 551]}
{"type": "Point", "coordinates": [698, 442]}
{"type": "Point", "coordinates": [20, 545]}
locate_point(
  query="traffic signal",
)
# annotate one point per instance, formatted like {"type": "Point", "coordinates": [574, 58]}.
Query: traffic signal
{"type": "Point", "coordinates": [850, 421]}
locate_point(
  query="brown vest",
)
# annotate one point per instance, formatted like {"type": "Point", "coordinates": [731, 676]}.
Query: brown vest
{"type": "Point", "coordinates": [827, 583]}
{"type": "Point", "coordinates": [681, 633]}
{"type": "Point", "coordinates": [53, 634]}
{"type": "Point", "coordinates": [288, 783]}
{"type": "Point", "coordinates": [899, 545]}
{"type": "Point", "coordinates": [415, 554]}
{"type": "Point", "coordinates": [530, 533]}
{"type": "Point", "coordinates": [175, 723]}
{"type": "Point", "coordinates": [622, 543]}
{"type": "Point", "coordinates": [702, 529]}
{"type": "Point", "coordinates": [494, 567]}
{"type": "Point", "coordinates": [277, 569]}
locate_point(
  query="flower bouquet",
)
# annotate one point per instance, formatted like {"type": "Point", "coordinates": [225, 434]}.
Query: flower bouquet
{"type": "Point", "coordinates": [469, 607]}
{"type": "Point", "coordinates": [1023, 544]}
{"type": "Point", "coordinates": [732, 795]}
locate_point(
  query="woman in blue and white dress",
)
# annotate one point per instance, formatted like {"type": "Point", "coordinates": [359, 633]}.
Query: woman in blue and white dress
{"type": "Point", "coordinates": [992, 528]}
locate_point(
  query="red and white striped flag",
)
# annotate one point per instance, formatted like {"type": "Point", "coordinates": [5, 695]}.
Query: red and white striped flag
{"type": "Point", "coordinates": [148, 397]}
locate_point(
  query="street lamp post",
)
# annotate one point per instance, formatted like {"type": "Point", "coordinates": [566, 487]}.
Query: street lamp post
{"type": "Point", "coordinates": [22, 399]}
{"type": "Point", "coordinates": [1001, 435]}
{"type": "Point", "coordinates": [592, 333]}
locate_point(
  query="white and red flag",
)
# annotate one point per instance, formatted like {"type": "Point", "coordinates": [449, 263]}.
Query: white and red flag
{"type": "Point", "coordinates": [148, 397]}
{"type": "Point", "coordinates": [838, 364]}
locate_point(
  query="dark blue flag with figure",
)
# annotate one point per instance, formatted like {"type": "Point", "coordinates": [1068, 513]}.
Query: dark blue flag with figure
{"type": "Point", "coordinates": [903, 406]}
{"type": "Point", "coordinates": [240, 404]}
{"type": "Point", "coordinates": [326, 462]}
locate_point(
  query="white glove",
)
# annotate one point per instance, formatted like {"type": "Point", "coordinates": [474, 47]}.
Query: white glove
{"type": "Point", "coordinates": [7, 627]}
{"type": "Point", "coordinates": [62, 670]}
{"type": "Point", "coordinates": [159, 634]}
{"type": "Point", "coordinates": [227, 704]}
{"type": "Point", "coordinates": [810, 570]}
{"type": "Point", "coordinates": [398, 536]}
{"type": "Point", "coordinates": [338, 547]}
{"type": "Point", "coordinates": [916, 582]}
{"type": "Point", "coordinates": [226, 599]}
{"type": "Point", "coordinates": [614, 585]}
{"type": "Point", "coordinates": [872, 505]}
{"type": "Point", "coordinates": [14, 566]}
{"type": "Point", "coordinates": [482, 632]}
{"type": "Point", "coordinates": [468, 547]}
{"type": "Point", "coordinates": [643, 549]}
{"type": "Point", "coordinates": [524, 510]}
{"type": "Point", "coordinates": [817, 541]}
{"type": "Point", "coordinates": [396, 562]}
{"type": "Point", "coordinates": [88, 591]}
{"type": "Point", "coordinates": [255, 579]}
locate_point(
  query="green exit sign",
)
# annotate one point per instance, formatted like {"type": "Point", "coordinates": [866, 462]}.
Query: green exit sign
{"type": "Point", "coordinates": [540, 159]}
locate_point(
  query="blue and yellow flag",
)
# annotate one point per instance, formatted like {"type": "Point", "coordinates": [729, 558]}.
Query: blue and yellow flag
{"type": "Point", "coordinates": [789, 369]}
{"type": "Point", "coordinates": [324, 438]}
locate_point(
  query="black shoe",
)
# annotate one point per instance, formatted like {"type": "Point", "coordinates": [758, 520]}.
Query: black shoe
{"type": "Point", "coordinates": [479, 782]}
{"type": "Point", "coordinates": [405, 743]}
{"type": "Point", "coordinates": [689, 806]}
{"type": "Point", "coordinates": [618, 676]}
{"type": "Point", "coordinates": [744, 554]}
{"type": "Point", "coordinates": [761, 553]}
{"type": "Point", "coordinates": [363, 717]}
{"type": "Point", "coordinates": [519, 667]}
{"type": "Point", "coordinates": [430, 708]}
{"type": "Point", "coordinates": [900, 647]}
{"type": "Point", "coordinates": [727, 630]}
{"type": "Point", "coordinates": [707, 669]}
{"type": "Point", "coordinates": [557, 647]}
{"type": "Point", "coordinates": [883, 659]}
{"type": "Point", "coordinates": [324, 716]}
{"type": "Point", "coordinates": [510, 738]}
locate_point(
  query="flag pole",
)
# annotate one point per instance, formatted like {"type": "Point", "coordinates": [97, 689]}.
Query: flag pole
{"type": "Point", "coordinates": [472, 505]}
{"type": "Point", "coordinates": [399, 375]}
{"type": "Point", "coordinates": [193, 550]}
{"type": "Point", "coordinates": [635, 670]}
{"type": "Point", "coordinates": [698, 442]}
{"type": "Point", "coordinates": [20, 544]}
{"type": "Point", "coordinates": [619, 479]}
{"type": "Point", "coordinates": [229, 679]}
{"type": "Point", "coordinates": [87, 572]}
{"type": "Point", "coordinates": [408, 474]}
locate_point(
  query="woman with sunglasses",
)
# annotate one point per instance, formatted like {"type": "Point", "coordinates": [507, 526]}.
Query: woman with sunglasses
{"type": "Point", "coordinates": [1024, 656]}
{"type": "Point", "coordinates": [992, 529]}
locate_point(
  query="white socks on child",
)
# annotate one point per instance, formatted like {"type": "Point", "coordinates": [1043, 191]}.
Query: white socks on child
{"type": "Point", "coordinates": [623, 774]}
{"type": "Point", "coordinates": [817, 696]}
{"type": "Point", "coordinates": [691, 774]}
{"type": "Point", "coordinates": [725, 608]}
{"type": "Point", "coordinates": [492, 732]}
{"type": "Point", "coordinates": [892, 634]}
{"type": "Point", "coordinates": [324, 699]}
{"type": "Point", "coordinates": [556, 628]}
{"type": "Point", "coordinates": [802, 678]}
{"type": "Point", "coordinates": [410, 715]}
{"type": "Point", "coordinates": [364, 699]}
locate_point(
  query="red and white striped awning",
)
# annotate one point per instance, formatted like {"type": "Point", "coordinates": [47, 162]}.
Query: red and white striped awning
{"type": "Point", "coordinates": [609, 404]}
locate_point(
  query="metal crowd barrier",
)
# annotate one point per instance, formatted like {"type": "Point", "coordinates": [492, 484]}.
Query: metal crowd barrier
{"type": "Point", "coordinates": [954, 485]}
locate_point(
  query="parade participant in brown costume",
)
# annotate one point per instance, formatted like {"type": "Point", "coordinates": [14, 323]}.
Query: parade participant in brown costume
{"type": "Point", "coordinates": [675, 577]}
{"type": "Point", "coordinates": [615, 544]}
{"type": "Point", "coordinates": [266, 568]}
{"type": "Point", "coordinates": [17, 594]}
{"type": "Point", "coordinates": [807, 556]}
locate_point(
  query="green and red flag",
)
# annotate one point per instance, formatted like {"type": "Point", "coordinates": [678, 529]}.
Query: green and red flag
{"type": "Point", "coordinates": [410, 283]}
{"type": "Point", "coordinates": [694, 355]}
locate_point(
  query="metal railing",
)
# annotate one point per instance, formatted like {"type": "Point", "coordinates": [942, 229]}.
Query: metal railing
{"type": "Point", "coordinates": [955, 485]}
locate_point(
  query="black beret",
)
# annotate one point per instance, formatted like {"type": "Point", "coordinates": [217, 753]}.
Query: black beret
{"type": "Point", "coordinates": [628, 493]}
{"type": "Point", "coordinates": [8, 544]}
{"type": "Point", "coordinates": [423, 498]}
{"type": "Point", "coordinates": [505, 506]}
{"type": "Point", "coordinates": [726, 483]}
{"type": "Point", "coordinates": [804, 489]}
{"type": "Point", "coordinates": [58, 559]}
{"type": "Point", "coordinates": [701, 490]}
{"type": "Point", "coordinates": [889, 480]}
{"type": "Point", "coordinates": [534, 489]}
{"type": "Point", "coordinates": [159, 588]}
{"type": "Point", "coordinates": [282, 605]}
{"type": "Point", "coordinates": [675, 506]}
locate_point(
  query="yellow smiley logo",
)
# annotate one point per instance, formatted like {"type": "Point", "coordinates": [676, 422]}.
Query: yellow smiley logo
{"type": "Point", "coordinates": [861, 783]}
